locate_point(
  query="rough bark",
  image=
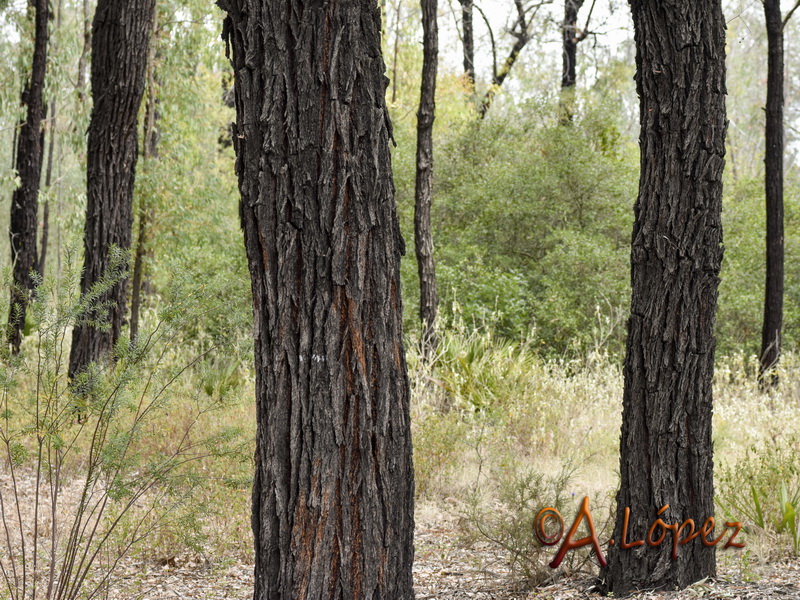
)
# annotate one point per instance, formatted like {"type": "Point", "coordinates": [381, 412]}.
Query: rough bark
{"type": "Point", "coordinates": [24, 201]}
{"type": "Point", "coordinates": [151, 138]}
{"type": "Point", "coordinates": [120, 41]}
{"type": "Point", "coordinates": [333, 513]}
{"type": "Point", "coordinates": [773, 162]}
{"type": "Point", "coordinates": [469, 43]}
{"type": "Point", "coordinates": [666, 447]}
{"type": "Point", "coordinates": [423, 194]}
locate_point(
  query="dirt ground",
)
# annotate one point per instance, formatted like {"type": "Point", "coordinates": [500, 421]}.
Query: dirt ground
{"type": "Point", "coordinates": [444, 570]}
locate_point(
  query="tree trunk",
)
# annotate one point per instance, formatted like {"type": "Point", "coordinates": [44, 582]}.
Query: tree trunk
{"type": "Point", "coordinates": [396, 53]}
{"type": "Point", "coordinates": [773, 162]}
{"type": "Point", "coordinates": [569, 38]}
{"type": "Point", "coordinates": [48, 181]}
{"type": "Point", "coordinates": [151, 137]}
{"type": "Point", "coordinates": [120, 41]}
{"type": "Point", "coordinates": [423, 195]}
{"type": "Point", "coordinates": [24, 201]}
{"type": "Point", "coordinates": [469, 44]}
{"type": "Point", "coordinates": [665, 447]}
{"type": "Point", "coordinates": [333, 513]}
{"type": "Point", "coordinates": [51, 128]}
{"type": "Point", "coordinates": [85, 49]}
{"type": "Point", "coordinates": [497, 80]}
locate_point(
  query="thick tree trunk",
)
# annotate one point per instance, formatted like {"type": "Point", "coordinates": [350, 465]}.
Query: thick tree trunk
{"type": "Point", "coordinates": [120, 41]}
{"type": "Point", "coordinates": [333, 513]}
{"type": "Point", "coordinates": [24, 201]}
{"type": "Point", "coordinates": [151, 137]}
{"type": "Point", "coordinates": [773, 162]}
{"type": "Point", "coordinates": [665, 447]}
{"type": "Point", "coordinates": [423, 196]}
{"type": "Point", "coordinates": [469, 43]}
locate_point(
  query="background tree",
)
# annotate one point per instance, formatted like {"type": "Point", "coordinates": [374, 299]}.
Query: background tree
{"type": "Point", "coordinates": [333, 489]}
{"type": "Point", "coordinates": [24, 201]}
{"type": "Point", "coordinates": [150, 151]}
{"type": "Point", "coordinates": [771, 330]}
{"type": "Point", "coordinates": [665, 447]}
{"type": "Point", "coordinates": [468, 41]}
{"type": "Point", "coordinates": [571, 36]}
{"type": "Point", "coordinates": [52, 127]}
{"type": "Point", "coordinates": [522, 32]}
{"type": "Point", "coordinates": [120, 42]}
{"type": "Point", "coordinates": [423, 196]}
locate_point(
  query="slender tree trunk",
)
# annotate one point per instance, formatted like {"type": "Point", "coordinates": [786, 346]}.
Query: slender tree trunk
{"type": "Point", "coordinates": [48, 181]}
{"type": "Point", "coordinates": [569, 41]}
{"type": "Point", "coordinates": [423, 196]}
{"type": "Point", "coordinates": [397, 30]}
{"type": "Point", "coordinates": [120, 41]}
{"type": "Point", "coordinates": [521, 33]}
{"type": "Point", "coordinates": [151, 137]}
{"type": "Point", "coordinates": [333, 513]}
{"type": "Point", "coordinates": [85, 50]}
{"type": "Point", "coordinates": [497, 80]}
{"type": "Point", "coordinates": [469, 43]}
{"type": "Point", "coordinates": [665, 447]}
{"type": "Point", "coordinates": [773, 162]}
{"type": "Point", "coordinates": [24, 201]}
{"type": "Point", "coordinates": [569, 45]}
{"type": "Point", "coordinates": [52, 126]}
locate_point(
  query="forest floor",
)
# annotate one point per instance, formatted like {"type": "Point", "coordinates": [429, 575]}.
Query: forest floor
{"type": "Point", "coordinates": [444, 569]}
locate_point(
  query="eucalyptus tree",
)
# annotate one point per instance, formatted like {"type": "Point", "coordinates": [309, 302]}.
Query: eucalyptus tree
{"type": "Point", "coordinates": [423, 195]}
{"type": "Point", "coordinates": [666, 466]}
{"type": "Point", "coordinates": [24, 201]}
{"type": "Point", "coordinates": [773, 183]}
{"type": "Point", "coordinates": [333, 492]}
{"type": "Point", "coordinates": [120, 41]}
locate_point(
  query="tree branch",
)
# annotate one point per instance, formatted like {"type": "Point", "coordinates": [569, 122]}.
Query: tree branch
{"type": "Point", "coordinates": [789, 14]}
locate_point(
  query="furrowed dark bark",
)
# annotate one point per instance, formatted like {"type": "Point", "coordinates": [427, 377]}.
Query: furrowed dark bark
{"type": "Point", "coordinates": [333, 513]}
{"type": "Point", "coordinates": [773, 163]}
{"type": "Point", "coordinates": [120, 41]}
{"type": "Point", "coordinates": [666, 448]}
{"type": "Point", "coordinates": [423, 195]}
{"type": "Point", "coordinates": [469, 43]}
{"type": "Point", "coordinates": [24, 201]}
